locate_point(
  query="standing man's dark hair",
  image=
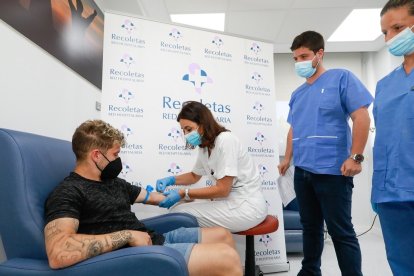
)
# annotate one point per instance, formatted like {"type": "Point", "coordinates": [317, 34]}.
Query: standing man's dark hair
{"type": "Point", "coordinates": [309, 39]}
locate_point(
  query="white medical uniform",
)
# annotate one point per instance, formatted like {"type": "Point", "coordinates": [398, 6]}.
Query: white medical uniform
{"type": "Point", "coordinates": [245, 206]}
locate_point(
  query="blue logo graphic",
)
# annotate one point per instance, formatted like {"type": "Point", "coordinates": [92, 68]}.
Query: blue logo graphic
{"type": "Point", "coordinates": [197, 76]}
{"type": "Point", "coordinates": [255, 48]}
{"type": "Point", "coordinates": [265, 239]}
{"type": "Point", "coordinates": [128, 25]}
{"type": "Point", "coordinates": [262, 170]}
{"type": "Point", "coordinates": [126, 95]}
{"type": "Point", "coordinates": [260, 138]}
{"type": "Point", "coordinates": [127, 60]}
{"type": "Point", "coordinates": [175, 134]}
{"type": "Point", "coordinates": [217, 41]}
{"type": "Point", "coordinates": [174, 169]}
{"type": "Point", "coordinates": [258, 107]}
{"type": "Point", "coordinates": [126, 130]}
{"type": "Point", "coordinates": [257, 77]}
{"type": "Point", "coordinates": [176, 34]}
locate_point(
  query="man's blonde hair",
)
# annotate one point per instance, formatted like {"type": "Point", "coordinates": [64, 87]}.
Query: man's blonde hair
{"type": "Point", "coordinates": [95, 134]}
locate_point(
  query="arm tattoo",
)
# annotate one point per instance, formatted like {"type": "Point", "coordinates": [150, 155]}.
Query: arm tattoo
{"type": "Point", "coordinates": [120, 239]}
{"type": "Point", "coordinates": [51, 230]}
{"type": "Point", "coordinates": [94, 249]}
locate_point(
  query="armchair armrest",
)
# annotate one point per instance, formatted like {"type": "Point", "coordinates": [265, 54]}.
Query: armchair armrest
{"type": "Point", "coordinates": [145, 260]}
{"type": "Point", "coordinates": [169, 222]}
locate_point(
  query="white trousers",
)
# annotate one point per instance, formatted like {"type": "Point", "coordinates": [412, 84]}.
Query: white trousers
{"type": "Point", "coordinates": [209, 213]}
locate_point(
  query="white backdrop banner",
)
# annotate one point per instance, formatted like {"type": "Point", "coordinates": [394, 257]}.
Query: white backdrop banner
{"type": "Point", "coordinates": [151, 68]}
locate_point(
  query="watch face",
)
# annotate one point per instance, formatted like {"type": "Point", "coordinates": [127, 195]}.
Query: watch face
{"type": "Point", "coordinates": [358, 157]}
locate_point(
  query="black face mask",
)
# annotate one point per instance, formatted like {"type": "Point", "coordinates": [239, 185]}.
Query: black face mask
{"type": "Point", "coordinates": [112, 170]}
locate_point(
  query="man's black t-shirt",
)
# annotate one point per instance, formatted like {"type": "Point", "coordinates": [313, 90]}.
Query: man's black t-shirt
{"type": "Point", "coordinates": [100, 207]}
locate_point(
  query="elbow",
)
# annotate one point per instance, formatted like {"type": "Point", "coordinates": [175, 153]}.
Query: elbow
{"type": "Point", "coordinates": [224, 193]}
{"type": "Point", "coordinates": [54, 264]}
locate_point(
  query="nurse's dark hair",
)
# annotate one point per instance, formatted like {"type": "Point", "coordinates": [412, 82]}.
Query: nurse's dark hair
{"type": "Point", "coordinates": [395, 4]}
{"type": "Point", "coordinates": [202, 116]}
{"type": "Point", "coordinates": [309, 39]}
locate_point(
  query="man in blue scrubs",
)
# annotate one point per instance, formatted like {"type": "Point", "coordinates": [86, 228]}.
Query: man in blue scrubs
{"type": "Point", "coordinates": [393, 179]}
{"type": "Point", "coordinates": [326, 154]}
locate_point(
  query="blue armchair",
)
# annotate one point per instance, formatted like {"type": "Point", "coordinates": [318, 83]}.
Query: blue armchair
{"type": "Point", "coordinates": [30, 167]}
{"type": "Point", "coordinates": [293, 228]}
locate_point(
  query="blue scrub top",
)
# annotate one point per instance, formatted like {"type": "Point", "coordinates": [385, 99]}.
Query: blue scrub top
{"type": "Point", "coordinates": [393, 178]}
{"type": "Point", "coordinates": [319, 114]}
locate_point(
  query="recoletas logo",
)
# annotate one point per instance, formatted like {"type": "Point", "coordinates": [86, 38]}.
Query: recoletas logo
{"type": "Point", "coordinates": [175, 34]}
{"type": "Point", "coordinates": [128, 26]}
{"type": "Point", "coordinates": [262, 169]}
{"type": "Point", "coordinates": [126, 95]}
{"type": "Point", "coordinates": [217, 41]}
{"type": "Point", "coordinates": [127, 131]}
{"type": "Point", "coordinates": [197, 76]}
{"type": "Point", "coordinates": [260, 138]}
{"type": "Point", "coordinates": [175, 134]}
{"type": "Point", "coordinates": [255, 48]}
{"type": "Point", "coordinates": [265, 239]}
{"type": "Point", "coordinates": [174, 169]}
{"type": "Point", "coordinates": [127, 60]}
{"type": "Point", "coordinates": [258, 107]}
{"type": "Point", "coordinates": [126, 169]}
{"type": "Point", "coordinates": [257, 77]}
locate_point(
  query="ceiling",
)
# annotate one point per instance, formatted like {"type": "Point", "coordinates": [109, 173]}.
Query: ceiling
{"type": "Point", "coordinates": [276, 21]}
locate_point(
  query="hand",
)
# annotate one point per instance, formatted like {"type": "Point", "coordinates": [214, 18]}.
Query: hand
{"type": "Point", "coordinates": [172, 197]}
{"type": "Point", "coordinates": [164, 182]}
{"type": "Point", "coordinates": [139, 238]}
{"type": "Point", "coordinates": [283, 166]}
{"type": "Point", "coordinates": [350, 168]}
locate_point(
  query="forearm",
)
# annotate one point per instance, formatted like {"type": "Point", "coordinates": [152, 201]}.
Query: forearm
{"type": "Point", "coordinates": [155, 198]}
{"type": "Point", "coordinates": [289, 146]}
{"type": "Point", "coordinates": [187, 178]}
{"type": "Point", "coordinates": [360, 130]}
{"type": "Point", "coordinates": [220, 190]}
{"type": "Point", "coordinates": [69, 249]}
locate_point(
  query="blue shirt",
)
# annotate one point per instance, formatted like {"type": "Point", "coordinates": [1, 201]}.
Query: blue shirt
{"type": "Point", "coordinates": [319, 114]}
{"type": "Point", "coordinates": [393, 178]}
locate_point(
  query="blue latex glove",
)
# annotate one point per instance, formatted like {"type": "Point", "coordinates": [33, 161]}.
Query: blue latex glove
{"type": "Point", "coordinates": [374, 207]}
{"type": "Point", "coordinates": [172, 197]}
{"type": "Point", "coordinates": [164, 182]}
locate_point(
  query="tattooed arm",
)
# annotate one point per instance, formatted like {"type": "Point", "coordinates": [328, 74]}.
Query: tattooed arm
{"type": "Point", "coordinates": [65, 247]}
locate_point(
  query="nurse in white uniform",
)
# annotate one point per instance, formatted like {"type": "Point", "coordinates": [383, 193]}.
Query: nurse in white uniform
{"type": "Point", "coordinates": [236, 202]}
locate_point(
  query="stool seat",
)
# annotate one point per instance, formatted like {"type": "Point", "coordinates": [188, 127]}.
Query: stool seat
{"type": "Point", "coordinates": [269, 225]}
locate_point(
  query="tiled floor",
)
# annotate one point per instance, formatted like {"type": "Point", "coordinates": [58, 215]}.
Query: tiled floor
{"type": "Point", "coordinates": [374, 261]}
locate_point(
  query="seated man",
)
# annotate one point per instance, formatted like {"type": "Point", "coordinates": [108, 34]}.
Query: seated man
{"type": "Point", "coordinates": [89, 213]}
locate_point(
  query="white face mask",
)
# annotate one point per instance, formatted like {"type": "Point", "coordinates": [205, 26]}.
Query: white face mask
{"type": "Point", "coordinates": [403, 43]}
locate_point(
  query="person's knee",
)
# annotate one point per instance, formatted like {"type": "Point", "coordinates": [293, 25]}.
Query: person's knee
{"type": "Point", "coordinates": [231, 264]}
{"type": "Point", "coordinates": [224, 235]}
{"type": "Point", "coordinates": [218, 259]}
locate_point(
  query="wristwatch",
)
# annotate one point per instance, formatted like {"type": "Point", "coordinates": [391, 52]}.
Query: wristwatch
{"type": "Point", "coordinates": [357, 157]}
{"type": "Point", "coordinates": [186, 196]}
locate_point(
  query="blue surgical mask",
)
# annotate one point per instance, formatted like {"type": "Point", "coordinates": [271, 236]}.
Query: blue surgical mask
{"type": "Point", "coordinates": [305, 69]}
{"type": "Point", "coordinates": [193, 138]}
{"type": "Point", "coordinates": [403, 43]}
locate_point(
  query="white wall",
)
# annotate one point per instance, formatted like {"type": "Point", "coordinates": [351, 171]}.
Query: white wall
{"type": "Point", "coordinates": [39, 94]}
{"type": "Point", "coordinates": [369, 68]}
